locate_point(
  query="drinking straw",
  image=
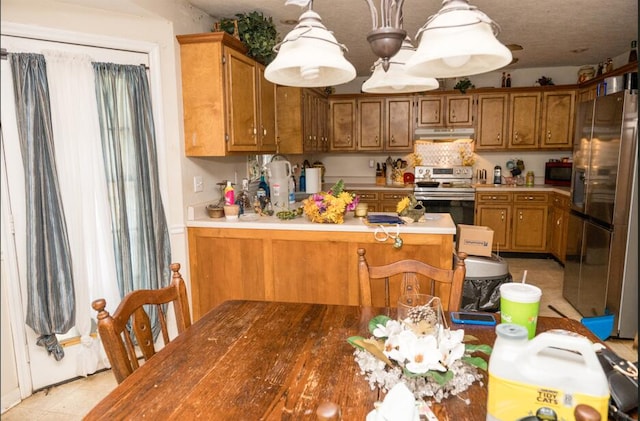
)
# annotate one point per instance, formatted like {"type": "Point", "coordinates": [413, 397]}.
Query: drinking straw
{"type": "Point", "coordinates": [524, 276]}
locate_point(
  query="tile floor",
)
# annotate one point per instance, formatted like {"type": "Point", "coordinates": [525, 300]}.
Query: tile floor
{"type": "Point", "coordinates": [73, 400]}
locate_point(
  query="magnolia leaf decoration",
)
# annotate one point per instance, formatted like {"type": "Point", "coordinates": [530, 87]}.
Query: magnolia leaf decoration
{"type": "Point", "coordinates": [372, 346]}
{"type": "Point", "coordinates": [476, 362]}
{"type": "Point", "coordinates": [485, 349]}
{"type": "Point", "coordinates": [378, 320]}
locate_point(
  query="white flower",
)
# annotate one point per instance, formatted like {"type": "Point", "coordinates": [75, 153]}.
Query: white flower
{"type": "Point", "coordinates": [451, 346]}
{"type": "Point", "coordinates": [393, 327]}
{"type": "Point", "coordinates": [423, 355]}
{"type": "Point", "coordinates": [396, 345]}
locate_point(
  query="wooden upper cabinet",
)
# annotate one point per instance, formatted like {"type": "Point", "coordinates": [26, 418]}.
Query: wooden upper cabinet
{"type": "Point", "coordinates": [430, 109]}
{"type": "Point", "coordinates": [492, 112]}
{"type": "Point", "coordinates": [459, 110]}
{"type": "Point", "coordinates": [558, 109]}
{"type": "Point", "coordinates": [399, 124]}
{"type": "Point", "coordinates": [343, 124]}
{"type": "Point", "coordinates": [370, 123]}
{"type": "Point", "coordinates": [228, 105]}
{"type": "Point", "coordinates": [438, 110]}
{"type": "Point", "coordinates": [301, 123]}
{"type": "Point", "coordinates": [524, 114]}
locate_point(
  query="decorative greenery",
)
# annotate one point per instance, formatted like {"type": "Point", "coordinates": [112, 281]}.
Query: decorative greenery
{"type": "Point", "coordinates": [257, 32]}
{"type": "Point", "coordinates": [464, 84]}
{"type": "Point", "coordinates": [545, 81]}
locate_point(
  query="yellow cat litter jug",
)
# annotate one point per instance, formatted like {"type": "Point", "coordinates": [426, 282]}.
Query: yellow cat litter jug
{"type": "Point", "coordinates": [544, 378]}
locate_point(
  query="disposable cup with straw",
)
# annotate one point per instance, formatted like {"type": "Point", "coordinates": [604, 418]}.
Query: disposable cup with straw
{"type": "Point", "coordinates": [520, 304]}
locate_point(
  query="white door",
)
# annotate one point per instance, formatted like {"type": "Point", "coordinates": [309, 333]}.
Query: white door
{"type": "Point", "coordinates": [44, 370]}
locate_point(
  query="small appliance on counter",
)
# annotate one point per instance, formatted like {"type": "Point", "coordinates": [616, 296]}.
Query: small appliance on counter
{"type": "Point", "coordinates": [558, 172]}
{"type": "Point", "coordinates": [497, 174]}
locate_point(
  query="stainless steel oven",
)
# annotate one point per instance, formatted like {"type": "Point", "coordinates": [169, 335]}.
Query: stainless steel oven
{"type": "Point", "coordinates": [446, 190]}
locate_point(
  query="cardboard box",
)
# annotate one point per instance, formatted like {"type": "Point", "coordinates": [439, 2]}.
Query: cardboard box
{"type": "Point", "coordinates": [474, 240]}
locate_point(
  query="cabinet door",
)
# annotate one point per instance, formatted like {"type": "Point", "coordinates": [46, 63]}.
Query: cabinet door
{"type": "Point", "coordinates": [430, 111]}
{"type": "Point", "coordinates": [529, 228]}
{"type": "Point", "coordinates": [309, 105]}
{"type": "Point", "coordinates": [267, 112]}
{"type": "Point", "coordinates": [370, 123]}
{"type": "Point", "coordinates": [289, 120]}
{"type": "Point", "coordinates": [343, 124]}
{"type": "Point", "coordinates": [203, 95]}
{"type": "Point", "coordinates": [558, 109]}
{"type": "Point", "coordinates": [399, 124]}
{"type": "Point", "coordinates": [492, 121]}
{"type": "Point", "coordinates": [524, 114]}
{"type": "Point", "coordinates": [497, 217]}
{"type": "Point", "coordinates": [242, 97]}
{"type": "Point", "coordinates": [459, 110]}
{"type": "Point", "coordinates": [322, 122]}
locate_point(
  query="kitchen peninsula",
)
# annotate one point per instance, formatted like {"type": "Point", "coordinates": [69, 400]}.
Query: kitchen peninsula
{"type": "Point", "coordinates": [300, 261]}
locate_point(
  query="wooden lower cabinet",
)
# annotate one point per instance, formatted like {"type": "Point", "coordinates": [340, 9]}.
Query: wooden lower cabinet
{"type": "Point", "coordinates": [296, 266]}
{"type": "Point", "coordinates": [518, 220]}
{"type": "Point", "coordinates": [382, 200]}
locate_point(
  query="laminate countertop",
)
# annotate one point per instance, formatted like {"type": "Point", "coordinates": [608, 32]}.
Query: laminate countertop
{"type": "Point", "coordinates": [434, 223]}
{"type": "Point", "coordinates": [509, 187]}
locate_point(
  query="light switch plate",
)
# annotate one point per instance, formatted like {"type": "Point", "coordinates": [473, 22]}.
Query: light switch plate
{"type": "Point", "coordinates": [198, 184]}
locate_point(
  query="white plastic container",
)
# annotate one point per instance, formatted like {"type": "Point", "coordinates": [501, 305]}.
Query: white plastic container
{"type": "Point", "coordinates": [549, 375]}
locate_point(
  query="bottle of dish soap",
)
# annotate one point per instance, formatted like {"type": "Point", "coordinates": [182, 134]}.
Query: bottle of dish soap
{"type": "Point", "coordinates": [229, 194]}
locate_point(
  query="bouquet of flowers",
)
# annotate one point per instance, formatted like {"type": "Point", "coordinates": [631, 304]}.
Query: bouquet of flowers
{"type": "Point", "coordinates": [330, 206]}
{"type": "Point", "coordinates": [433, 361]}
{"type": "Point", "coordinates": [410, 207]}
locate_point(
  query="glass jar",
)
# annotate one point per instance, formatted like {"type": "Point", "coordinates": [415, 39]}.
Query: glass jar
{"type": "Point", "coordinates": [530, 179]}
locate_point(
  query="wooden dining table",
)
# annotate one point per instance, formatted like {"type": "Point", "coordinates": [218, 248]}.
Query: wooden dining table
{"type": "Point", "coordinates": [258, 360]}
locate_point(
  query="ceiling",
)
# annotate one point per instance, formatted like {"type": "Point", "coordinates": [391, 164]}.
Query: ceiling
{"type": "Point", "coordinates": [552, 32]}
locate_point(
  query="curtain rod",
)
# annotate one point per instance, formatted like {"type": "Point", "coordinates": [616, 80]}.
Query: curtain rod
{"type": "Point", "coordinates": [4, 53]}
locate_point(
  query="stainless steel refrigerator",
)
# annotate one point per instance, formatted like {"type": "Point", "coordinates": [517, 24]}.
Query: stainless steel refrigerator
{"type": "Point", "coordinates": [601, 268]}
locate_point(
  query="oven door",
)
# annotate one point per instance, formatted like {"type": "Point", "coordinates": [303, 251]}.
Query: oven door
{"type": "Point", "coordinates": [460, 209]}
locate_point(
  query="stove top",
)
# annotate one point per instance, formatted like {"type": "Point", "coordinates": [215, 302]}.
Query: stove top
{"type": "Point", "coordinates": [432, 181]}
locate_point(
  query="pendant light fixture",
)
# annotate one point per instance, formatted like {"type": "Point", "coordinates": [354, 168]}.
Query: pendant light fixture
{"type": "Point", "coordinates": [394, 80]}
{"type": "Point", "coordinates": [310, 56]}
{"type": "Point", "coordinates": [459, 40]}
{"type": "Point", "coordinates": [386, 40]}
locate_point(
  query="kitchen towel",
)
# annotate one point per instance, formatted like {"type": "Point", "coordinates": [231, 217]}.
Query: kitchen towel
{"type": "Point", "coordinates": [314, 183]}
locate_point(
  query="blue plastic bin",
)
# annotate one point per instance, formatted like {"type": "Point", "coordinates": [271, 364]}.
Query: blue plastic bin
{"type": "Point", "coordinates": [601, 326]}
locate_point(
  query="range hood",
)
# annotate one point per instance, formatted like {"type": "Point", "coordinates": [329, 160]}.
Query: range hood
{"type": "Point", "coordinates": [444, 134]}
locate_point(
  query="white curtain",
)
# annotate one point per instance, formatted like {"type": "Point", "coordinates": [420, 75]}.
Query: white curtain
{"type": "Point", "coordinates": [84, 192]}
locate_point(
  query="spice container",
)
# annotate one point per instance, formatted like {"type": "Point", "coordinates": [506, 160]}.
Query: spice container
{"type": "Point", "coordinates": [530, 179]}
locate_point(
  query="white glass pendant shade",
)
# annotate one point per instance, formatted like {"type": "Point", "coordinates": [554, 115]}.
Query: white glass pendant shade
{"type": "Point", "coordinates": [458, 41]}
{"type": "Point", "coordinates": [396, 80]}
{"type": "Point", "coordinates": [310, 56]}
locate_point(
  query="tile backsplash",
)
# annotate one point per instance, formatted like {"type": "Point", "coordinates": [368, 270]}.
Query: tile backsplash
{"type": "Point", "coordinates": [443, 153]}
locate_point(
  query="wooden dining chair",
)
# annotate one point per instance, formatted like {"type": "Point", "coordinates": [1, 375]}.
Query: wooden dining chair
{"type": "Point", "coordinates": [115, 331]}
{"type": "Point", "coordinates": [412, 271]}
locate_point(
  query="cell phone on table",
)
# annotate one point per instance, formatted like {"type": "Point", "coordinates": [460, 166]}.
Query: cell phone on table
{"type": "Point", "coordinates": [473, 318]}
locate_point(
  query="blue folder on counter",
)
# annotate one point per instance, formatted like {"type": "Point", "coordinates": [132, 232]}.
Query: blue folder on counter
{"type": "Point", "coordinates": [384, 219]}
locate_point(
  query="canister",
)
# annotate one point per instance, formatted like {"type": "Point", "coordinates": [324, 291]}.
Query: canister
{"type": "Point", "coordinates": [530, 179]}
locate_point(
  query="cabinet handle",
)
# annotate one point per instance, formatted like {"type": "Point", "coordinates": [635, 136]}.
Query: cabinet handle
{"type": "Point", "coordinates": [520, 215]}
{"type": "Point", "coordinates": [493, 198]}
{"type": "Point", "coordinates": [498, 136]}
{"type": "Point", "coordinates": [255, 131]}
{"type": "Point", "coordinates": [453, 115]}
{"type": "Point", "coordinates": [515, 139]}
{"type": "Point", "coordinates": [264, 131]}
{"type": "Point", "coordinates": [559, 221]}
{"type": "Point", "coordinates": [549, 134]}
{"type": "Point", "coordinates": [393, 139]}
{"type": "Point", "coordinates": [502, 215]}
{"type": "Point", "coordinates": [435, 114]}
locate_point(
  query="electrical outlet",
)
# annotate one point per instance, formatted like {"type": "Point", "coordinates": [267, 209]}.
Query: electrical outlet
{"type": "Point", "coordinates": [371, 163]}
{"type": "Point", "coordinates": [198, 184]}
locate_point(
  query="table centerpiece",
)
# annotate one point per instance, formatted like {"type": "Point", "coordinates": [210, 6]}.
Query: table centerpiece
{"type": "Point", "coordinates": [420, 351]}
{"type": "Point", "coordinates": [330, 206]}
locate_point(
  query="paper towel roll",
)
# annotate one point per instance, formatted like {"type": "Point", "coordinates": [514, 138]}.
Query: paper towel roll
{"type": "Point", "coordinates": [314, 183]}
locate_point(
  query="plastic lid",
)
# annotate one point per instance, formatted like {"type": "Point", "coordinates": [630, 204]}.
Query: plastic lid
{"type": "Point", "coordinates": [511, 331]}
{"type": "Point", "coordinates": [519, 292]}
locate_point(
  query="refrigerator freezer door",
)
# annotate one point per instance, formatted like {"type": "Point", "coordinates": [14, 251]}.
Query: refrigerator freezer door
{"type": "Point", "coordinates": [594, 273]}
{"type": "Point", "coordinates": [571, 282]}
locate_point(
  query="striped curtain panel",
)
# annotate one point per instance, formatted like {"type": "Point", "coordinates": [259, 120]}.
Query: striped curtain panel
{"type": "Point", "coordinates": [51, 297]}
{"type": "Point", "coordinates": [141, 236]}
